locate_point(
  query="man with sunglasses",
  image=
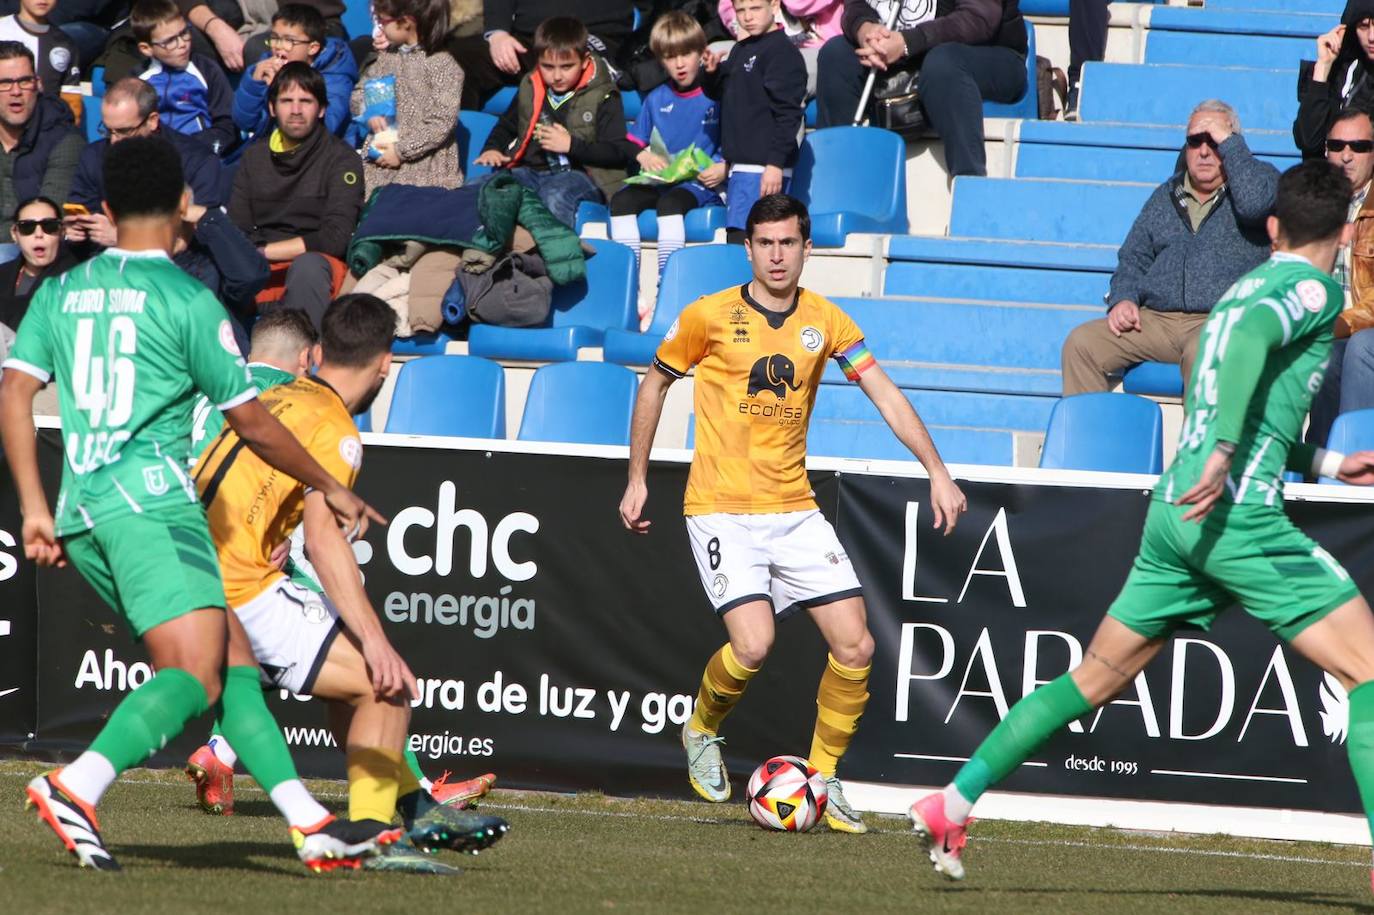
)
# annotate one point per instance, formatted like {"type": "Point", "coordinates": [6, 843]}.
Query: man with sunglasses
{"type": "Point", "coordinates": [298, 34]}
{"type": "Point", "coordinates": [1349, 382]}
{"type": "Point", "coordinates": [1198, 232]}
{"type": "Point", "coordinates": [39, 143]}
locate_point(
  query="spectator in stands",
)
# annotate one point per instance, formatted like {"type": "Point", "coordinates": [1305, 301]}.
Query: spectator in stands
{"type": "Point", "coordinates": [54, 53]}
{"type": "Point", "coordinates": [761, 87]}
{"type": "Point", "coordinates": [258, 16]}
{"type": "Point", "coordinates": [682, 115]}
{"type": "Point", "coordinates": [417, 147]}
{"type": "Point", "coordinates": [1088, 22]}
{"type": "Point", "coordinates": [39, 142]}
{"type": "Point", "coordinates": [967, 51]}
{"type": "Point", "coordinates": [563, 135]}
{"type": "Point", "coordinates": [129, 109]}
{"type": "Point", "coordinates": [37, 231]}
{"type": "Point", "coordinates": [1349, 381]}
{"type": "Point", "coordinates": [298, 33]}
{"type": "Point", "coordinates": [1342, 77]}
{"type": "Point", "coordinates": [194, 94]}
{"type": "Point", "coordinates": [215, 251]}
{"type": "Point", "coordinates": [1199, 231]}
{"type": "Point", "coordinates": [297, 196]}
{"type": "Point", "coordinates": [506, 49]}
{"type": "Point", "coordinates": [808, 23]}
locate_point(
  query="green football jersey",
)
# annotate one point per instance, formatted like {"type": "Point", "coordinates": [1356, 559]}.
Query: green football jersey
{"type": "Point", "coordinates": [131, 340]}
{"type": "Point", "coordinates": [207, 420]}
{"type": "Point", "coordinates": [1292, 306]}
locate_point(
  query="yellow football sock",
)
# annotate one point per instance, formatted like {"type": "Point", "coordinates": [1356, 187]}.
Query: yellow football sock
{"type": "Point", "coordinates": [840, 703]}
{"type": "Point", "coordinates": [406, 782]}
{"type": "Point", "coordinates": [372, 783]}
{"type": "Point", "coordinates": [721, 686]}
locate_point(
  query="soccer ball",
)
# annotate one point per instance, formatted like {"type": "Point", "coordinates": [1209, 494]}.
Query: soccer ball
{"type": "Point", "coordinates": [787, 794]}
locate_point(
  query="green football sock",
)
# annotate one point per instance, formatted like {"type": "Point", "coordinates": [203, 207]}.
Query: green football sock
{"type": "Point", "coordinates": [149, 717]}
{"type": "Point", "coordinates": [413, 762]}
{"type": "Point", "coordinates": [1028, 725]}
{"type": "Point", "coordinates": [252, 731]}
{"type": "Point", "coordinates": [1359, 746]}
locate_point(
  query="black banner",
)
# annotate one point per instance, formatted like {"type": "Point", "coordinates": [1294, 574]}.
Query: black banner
{"type": "Point", "coordinates": [561, 652]}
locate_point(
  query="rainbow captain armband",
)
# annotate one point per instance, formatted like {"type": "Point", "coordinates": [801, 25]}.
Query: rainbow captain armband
{"type": "Point", "coordinates": [856, 360]}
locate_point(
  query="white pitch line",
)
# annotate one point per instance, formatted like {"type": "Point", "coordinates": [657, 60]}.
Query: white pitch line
{"type": "Point", "coordinates": [717, 821]}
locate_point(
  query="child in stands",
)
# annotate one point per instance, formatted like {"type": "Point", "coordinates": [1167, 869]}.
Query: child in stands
{"type": "Point", "coordinates": [683, 116]}
{"type": "Point", "coordinates": [194, 96]}
{"type": "Point", "coordinates": [54, 54]}
{"type": "Point", "coordinates": [418, 146]}
{"type": "Point", "coordinates": [563, 136]}
{"type": "Point", "coordinates": [298, 34]}
{"type": "Point", "coordinates": [761, 87]}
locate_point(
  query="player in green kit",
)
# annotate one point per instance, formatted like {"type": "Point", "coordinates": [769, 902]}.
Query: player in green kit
{"type": "Point", "coordinates": [1216, 533]}
{"type": "Point", "coordinates": [129, 339]}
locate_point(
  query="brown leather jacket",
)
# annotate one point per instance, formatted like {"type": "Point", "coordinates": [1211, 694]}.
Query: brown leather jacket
{"type": "Point", "coordinates": [1360, 314]}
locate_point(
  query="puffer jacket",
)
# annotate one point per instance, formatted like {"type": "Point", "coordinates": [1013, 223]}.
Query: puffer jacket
{"type": "Point", "coordinates": [506, 203]}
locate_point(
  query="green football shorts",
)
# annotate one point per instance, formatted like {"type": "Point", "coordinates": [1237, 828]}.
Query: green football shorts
{"type": "Point", "coordinates": [151, 567]}
{"type": "Point", "coordinates": [1187, 573]}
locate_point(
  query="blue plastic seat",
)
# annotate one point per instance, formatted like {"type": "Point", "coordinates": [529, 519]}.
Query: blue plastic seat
{"type": "Point", "coordinates": [689, 274]}
{"type": "Point", "coordinates": [1028, 105]}
{"type": "Point", "coordinates": [1117, 433]}
{"type": "Point", "coordinates": [586, 402]}
{"type": "Point", "coordinates": [1158, 379]}
{"type": "Point", "coordinates": [1353, 431]}
{"type": "Point", "coordinates": [90, 117]}
{"type": "Point", "coordinates": [1044, 210]}
{"type": "Point", "coordinates": [357, 18]}
{"type": "Point", "coordinates": [449, 395]}
{"type": "Point", "coordinates": [423, 344]}
{"type": "Point", "coordinates": [582, 312]}
{"type": "Point", "coordinates": [472, 131]}
{"type": "Point", "coordinates": [853, 179]}
{"type": "Point", "coordinates": [698, 225]}
{"type": "Point", "coordinates": [996, 283]}
{"type": "Point", "coordinates": [1160, 94]}
{"type": "Point", "coordinates": [499, 101]}
{"type": "Point", "coordinates": [1123, 152]}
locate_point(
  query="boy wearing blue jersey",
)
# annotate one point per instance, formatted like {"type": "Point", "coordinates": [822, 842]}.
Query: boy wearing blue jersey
{"type": "Point", "coordinates": [682, 114]}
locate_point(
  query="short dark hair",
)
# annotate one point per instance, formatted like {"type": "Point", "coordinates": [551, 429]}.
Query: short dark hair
{"type": "Point", "coordinates": [307, 18]}
{"type": "Point", "coordinates": [302, 76]}
{"type": "Point", "coordinates": [356, 329]}
{"type": "Point", "coordinates": [46, 201]}
{"type": "Point", "coordinates": [144, 96]}
{"type": "Point", "coordinates": [286, 328]}
{"type": "Point", "coordinates": [778, 208]}
{"type": "Point", "coordinates": [1313, 202]}
{"type": "Point", "coordinates": [1350, 114]}
{"type": "Point", "coordinates": [560, 35]}
{"type": "Point", "coordinates": [12, 50]}
{"type": "Point", "coordinates": [143, 177]}
{"type": "Point", "coordinates": [147, 15]}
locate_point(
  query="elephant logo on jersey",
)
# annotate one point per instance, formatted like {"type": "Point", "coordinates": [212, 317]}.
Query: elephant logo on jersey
{"type": "Point", "coordinates": [773, 373]}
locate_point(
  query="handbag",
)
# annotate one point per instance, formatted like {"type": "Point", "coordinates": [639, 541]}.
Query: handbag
{"type": "Point", "coordinates": [895, 105]}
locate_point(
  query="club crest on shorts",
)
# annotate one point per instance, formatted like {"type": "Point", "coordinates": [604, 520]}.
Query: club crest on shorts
{"type": "Point", "coordinates": [155, 480]}
{"type": "Point", "coordinates": [314, 612]}
{"type": "Point", "coordinates": [718, 586]}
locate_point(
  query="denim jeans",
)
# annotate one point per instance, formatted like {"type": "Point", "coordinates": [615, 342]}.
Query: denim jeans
{"type": "Point", "coordinates": [1348, 386]}
{"type": "Point", "coordinates": [561, 192]}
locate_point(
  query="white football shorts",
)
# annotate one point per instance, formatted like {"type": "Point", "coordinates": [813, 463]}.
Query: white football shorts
{"type": "Point", "coordinates": [291, 629]}
{"type": "Point", "coordinates": [793, 559]}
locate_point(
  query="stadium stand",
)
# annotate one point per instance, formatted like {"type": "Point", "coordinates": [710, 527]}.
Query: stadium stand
{"type": "Point", "coordinates": [853, 179]}
{"type": "Point", "coordinates": [1117, 433]}
{"type": "Point", "coordinates": [449, 395]}
{"type": "Point", "coordinates": [1234, 38]}
{"type": "Point", "coordinates": [1158, 94]}
{"type": "Point", "coordinates": [586, 402]}
{"type": "Point", "coordinates": [1350, 432]}
{"type": "Point", "coordinates": [472, 130]}
{"type": "Point", "coordinates": [580, 316]}
{"type": "Point", "coordinates": [689, 274]}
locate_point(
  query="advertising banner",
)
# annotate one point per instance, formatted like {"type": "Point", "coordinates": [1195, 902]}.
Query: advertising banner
{"type": "Point", "coordinates": [18, 629]}
{"type": "Point", "coordinates": [560, 651]}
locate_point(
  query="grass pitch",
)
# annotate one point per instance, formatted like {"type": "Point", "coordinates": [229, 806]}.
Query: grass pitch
{"type": "Point", "coordinates": [589, 853]}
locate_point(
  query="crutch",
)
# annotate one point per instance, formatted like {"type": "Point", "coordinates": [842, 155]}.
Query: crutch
{"type": "Point", "coordinates": [872, 72]}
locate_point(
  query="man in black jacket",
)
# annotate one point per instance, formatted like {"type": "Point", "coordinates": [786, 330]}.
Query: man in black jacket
{"type": "Point", "coordinates": [1342, 77]}
{"type": "Point", "coordinates": [967, 51]}
{"type": "Point", "coordinates": [298, 194]}
{"type": "Point", "coordinates": [39, 142]}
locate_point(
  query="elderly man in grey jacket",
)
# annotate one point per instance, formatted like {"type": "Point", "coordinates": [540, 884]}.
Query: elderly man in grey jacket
{"type": "Point", "coordinates": [1199, 232]}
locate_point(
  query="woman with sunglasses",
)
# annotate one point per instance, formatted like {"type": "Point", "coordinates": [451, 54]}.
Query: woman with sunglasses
{"type": "Point", "coordinates": [37, 230]}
